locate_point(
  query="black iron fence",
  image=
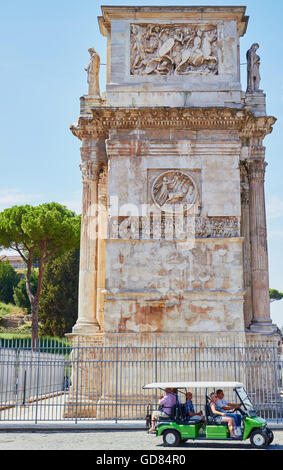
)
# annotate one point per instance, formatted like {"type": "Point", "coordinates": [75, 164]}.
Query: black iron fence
{"type": "Point", "coordinates": [103, 381]}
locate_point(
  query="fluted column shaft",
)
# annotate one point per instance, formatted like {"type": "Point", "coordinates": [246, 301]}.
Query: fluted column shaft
{"type": "Point", "coordinates": [258, 237]}
{"type": "Point", "coordinates": [245, 233]}
{"type": "Point", "coordinates": [87, 322]}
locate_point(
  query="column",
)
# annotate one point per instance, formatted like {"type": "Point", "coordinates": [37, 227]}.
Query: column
{"type": "Point", "coordinates": [245, 233]}
{"type": "Point", "coordinates": [87, 322]}
{"type": "Point", "coordinates": [261, 321]}
{"type": "Point", "coordinates": [102, 236]}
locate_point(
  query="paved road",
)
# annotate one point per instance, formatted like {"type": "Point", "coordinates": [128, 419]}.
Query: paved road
{"type": "Point", "coordinates": [111, 440]}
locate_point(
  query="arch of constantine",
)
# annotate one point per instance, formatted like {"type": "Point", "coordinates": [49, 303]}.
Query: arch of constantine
{"type": "Point", "coordinates": [174, 239]}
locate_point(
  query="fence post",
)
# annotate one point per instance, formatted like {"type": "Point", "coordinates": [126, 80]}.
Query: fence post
{"type": "Point", "coordinates": [77, 381]}
{"type": "Point", "coordinates": [275, 368]}
{"type": "Point", "coordinates": [195, 356]}
{"type": "Point", "coordinates": [235, 363]}
{"type": "Point", "coordinates": [24, 387]}
{"type": "Point", "coordinates": [37, 380]}
{"type": "Point", "coordinates": [116, 383]}
{"type": "Point", "coordinates": [155, 366]}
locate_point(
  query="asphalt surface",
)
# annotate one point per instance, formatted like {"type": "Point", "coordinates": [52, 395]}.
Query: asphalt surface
{"type": "Point", "coordinates": [114, 440]}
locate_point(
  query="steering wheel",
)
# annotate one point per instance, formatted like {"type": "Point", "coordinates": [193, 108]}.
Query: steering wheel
{"type": "Point", "coordinates": [242, 412]}
{"type": "Point", "coordinates": [237, 409]}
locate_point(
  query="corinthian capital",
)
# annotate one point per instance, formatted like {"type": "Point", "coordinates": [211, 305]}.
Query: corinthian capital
{"type": "Point", "coordinates": [257, 170]}
{"type": "Point", "coordinates": [90, 171]}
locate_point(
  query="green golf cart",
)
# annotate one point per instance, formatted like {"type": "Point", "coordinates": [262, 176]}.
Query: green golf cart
{"type": "Point", "coordinates": [176, 428]}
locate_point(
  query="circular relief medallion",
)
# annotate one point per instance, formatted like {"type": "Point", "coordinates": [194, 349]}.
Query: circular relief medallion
{"type": "Point", "coordinates": [174, 191]}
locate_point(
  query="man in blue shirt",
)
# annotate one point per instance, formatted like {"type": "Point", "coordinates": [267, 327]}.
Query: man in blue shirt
{"type": "Point", "coordinates": [189, 411]}
{"type": "Point", "coordinates": [225, 407]}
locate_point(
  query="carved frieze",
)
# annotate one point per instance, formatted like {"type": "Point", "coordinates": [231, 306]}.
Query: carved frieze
{"type": "Point", "coordinates": [173, 227]}
{"type": "Point", "coordinates": [173, 49]}
{"type": "Point", "coordinates": [106, 118]}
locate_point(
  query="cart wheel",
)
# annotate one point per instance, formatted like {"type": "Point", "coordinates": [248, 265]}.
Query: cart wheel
{"type": "Point", "coordinates": [270, 435]}
{"type": "Point", "coordinates": [171, 438]}
{"type": "Point", "coordinates": [259, 439]}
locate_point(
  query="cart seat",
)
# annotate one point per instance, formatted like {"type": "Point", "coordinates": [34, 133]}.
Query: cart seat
{"type": "Point", "coordinates": [171, 416]}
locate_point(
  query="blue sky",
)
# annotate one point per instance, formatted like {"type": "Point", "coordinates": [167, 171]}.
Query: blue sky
{"type": "Point", "coordinates": [44, 49]}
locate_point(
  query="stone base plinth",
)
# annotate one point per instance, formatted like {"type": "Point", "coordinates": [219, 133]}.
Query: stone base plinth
{"type": "Point", "coordinates": [85, 328]}
{"type": "Point", "coordinates": [80, 408]}
{"type": "Point", "coordinates": [264, 329]}
{"type": "Point", "coordinates": [87, 102]}
{"type": "Point", "coordinates": [110, 370]}
{"type": "Point", "coordinates": [256, 102]}
{"type": "Point", "coordinates": [122, 407]}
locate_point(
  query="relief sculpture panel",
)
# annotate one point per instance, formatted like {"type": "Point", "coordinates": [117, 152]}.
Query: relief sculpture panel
{"type": "Point", "coordinates": [173, 49]}
{"type": "Point", "coordinates": [174, 188]}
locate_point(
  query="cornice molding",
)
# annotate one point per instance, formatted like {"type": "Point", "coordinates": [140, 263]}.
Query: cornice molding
{"type": "Point", "coordinates": [108, 118]}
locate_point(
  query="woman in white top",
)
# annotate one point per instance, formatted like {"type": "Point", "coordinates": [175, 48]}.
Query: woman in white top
{"type": "Point", "coordinates": [221, 417]}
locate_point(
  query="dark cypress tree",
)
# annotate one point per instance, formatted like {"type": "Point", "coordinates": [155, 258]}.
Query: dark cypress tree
{"type": "Point", "coordinates": [8, 280]}
{"type": "Point", "coordinates": [58, 306]}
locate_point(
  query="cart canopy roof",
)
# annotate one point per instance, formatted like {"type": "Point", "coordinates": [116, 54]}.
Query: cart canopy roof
{"type": "Point", "coordinates": [189, 385]}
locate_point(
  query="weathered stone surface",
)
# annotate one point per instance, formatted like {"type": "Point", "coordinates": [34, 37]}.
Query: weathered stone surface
{"type": "Point", "coordinates": [165, 286]}
{"type": "Point", "coordinates": [173, 221]}
{"type": "Point", "coordinates": [154, 60]}
{"type": "Point", "coordinates": [170, 167]}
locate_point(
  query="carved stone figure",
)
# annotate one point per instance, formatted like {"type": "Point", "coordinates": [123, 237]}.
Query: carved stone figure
{"type": "Point", "coordinates": [253, 63]}
{"type": "Point", "coordinates": [173, 49]}
{"type": "Point", "coordinates": [92, 70]}
{"type": "Point", "coordinates": [174, 187]}
{"type": "Point", "coordinates": [191, 226]}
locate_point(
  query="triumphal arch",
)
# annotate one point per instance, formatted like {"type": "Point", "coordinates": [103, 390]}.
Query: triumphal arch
{"type": "Point", "coordinates": [173, 237]}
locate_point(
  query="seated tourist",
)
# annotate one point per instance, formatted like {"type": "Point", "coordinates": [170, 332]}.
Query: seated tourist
{"type": "Point", "coordinates": [220, 417]}
{"type": "Point", "coordinates": [166, 403]}
{"type": "Point", "coordinates": [189, 412]}
{"type": "Point", "coordinates": [225, 407]}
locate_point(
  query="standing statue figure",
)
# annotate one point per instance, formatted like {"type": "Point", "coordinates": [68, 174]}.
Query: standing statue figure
{"type": "Point", "coordinates": [93, 73]}
{"type": "Point", "coordinates": [253, 62]}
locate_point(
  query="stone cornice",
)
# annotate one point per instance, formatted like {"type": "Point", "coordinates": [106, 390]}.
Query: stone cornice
{"type": "Point", "coordinates": [173, 14]}
{"type": "Point", "coordinates": [106, 118]}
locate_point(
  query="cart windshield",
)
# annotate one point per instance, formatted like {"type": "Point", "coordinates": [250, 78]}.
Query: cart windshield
{"type": "Point", "coordinates": [245, 399]}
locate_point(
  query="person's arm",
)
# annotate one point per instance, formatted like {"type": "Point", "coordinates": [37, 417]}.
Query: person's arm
{"type": "Point", "coordinates": [214, 411]}
{"type": "Point", "coordinates": [224, 405]}
{"type": "Point", "coordinates": [161, 400]}
{"type": "Point", "coordinates": [233, 406]}
{"type": "Point", "coordinates": [190, 410]}
{"type": "Point", "coordinates": [227, 407]}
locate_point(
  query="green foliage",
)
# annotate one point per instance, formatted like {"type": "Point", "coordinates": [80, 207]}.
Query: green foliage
{"type": "Point", "coordinates": [38, 233]}
{"type": "Point", "coordinates": [275, 295]}
{"type": "Point", "coordinates": [58, 306]}
{"type": "Point", "coordinates": [20, 291]}
{"type": "Point", "coordinates": [8, 280]}
{"type": "Point", "coordinates": [49, 226]}
{"type": "Point", "coordinates": [5, 309]}
{"type": "Point", "coordinates": [9, 309]}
